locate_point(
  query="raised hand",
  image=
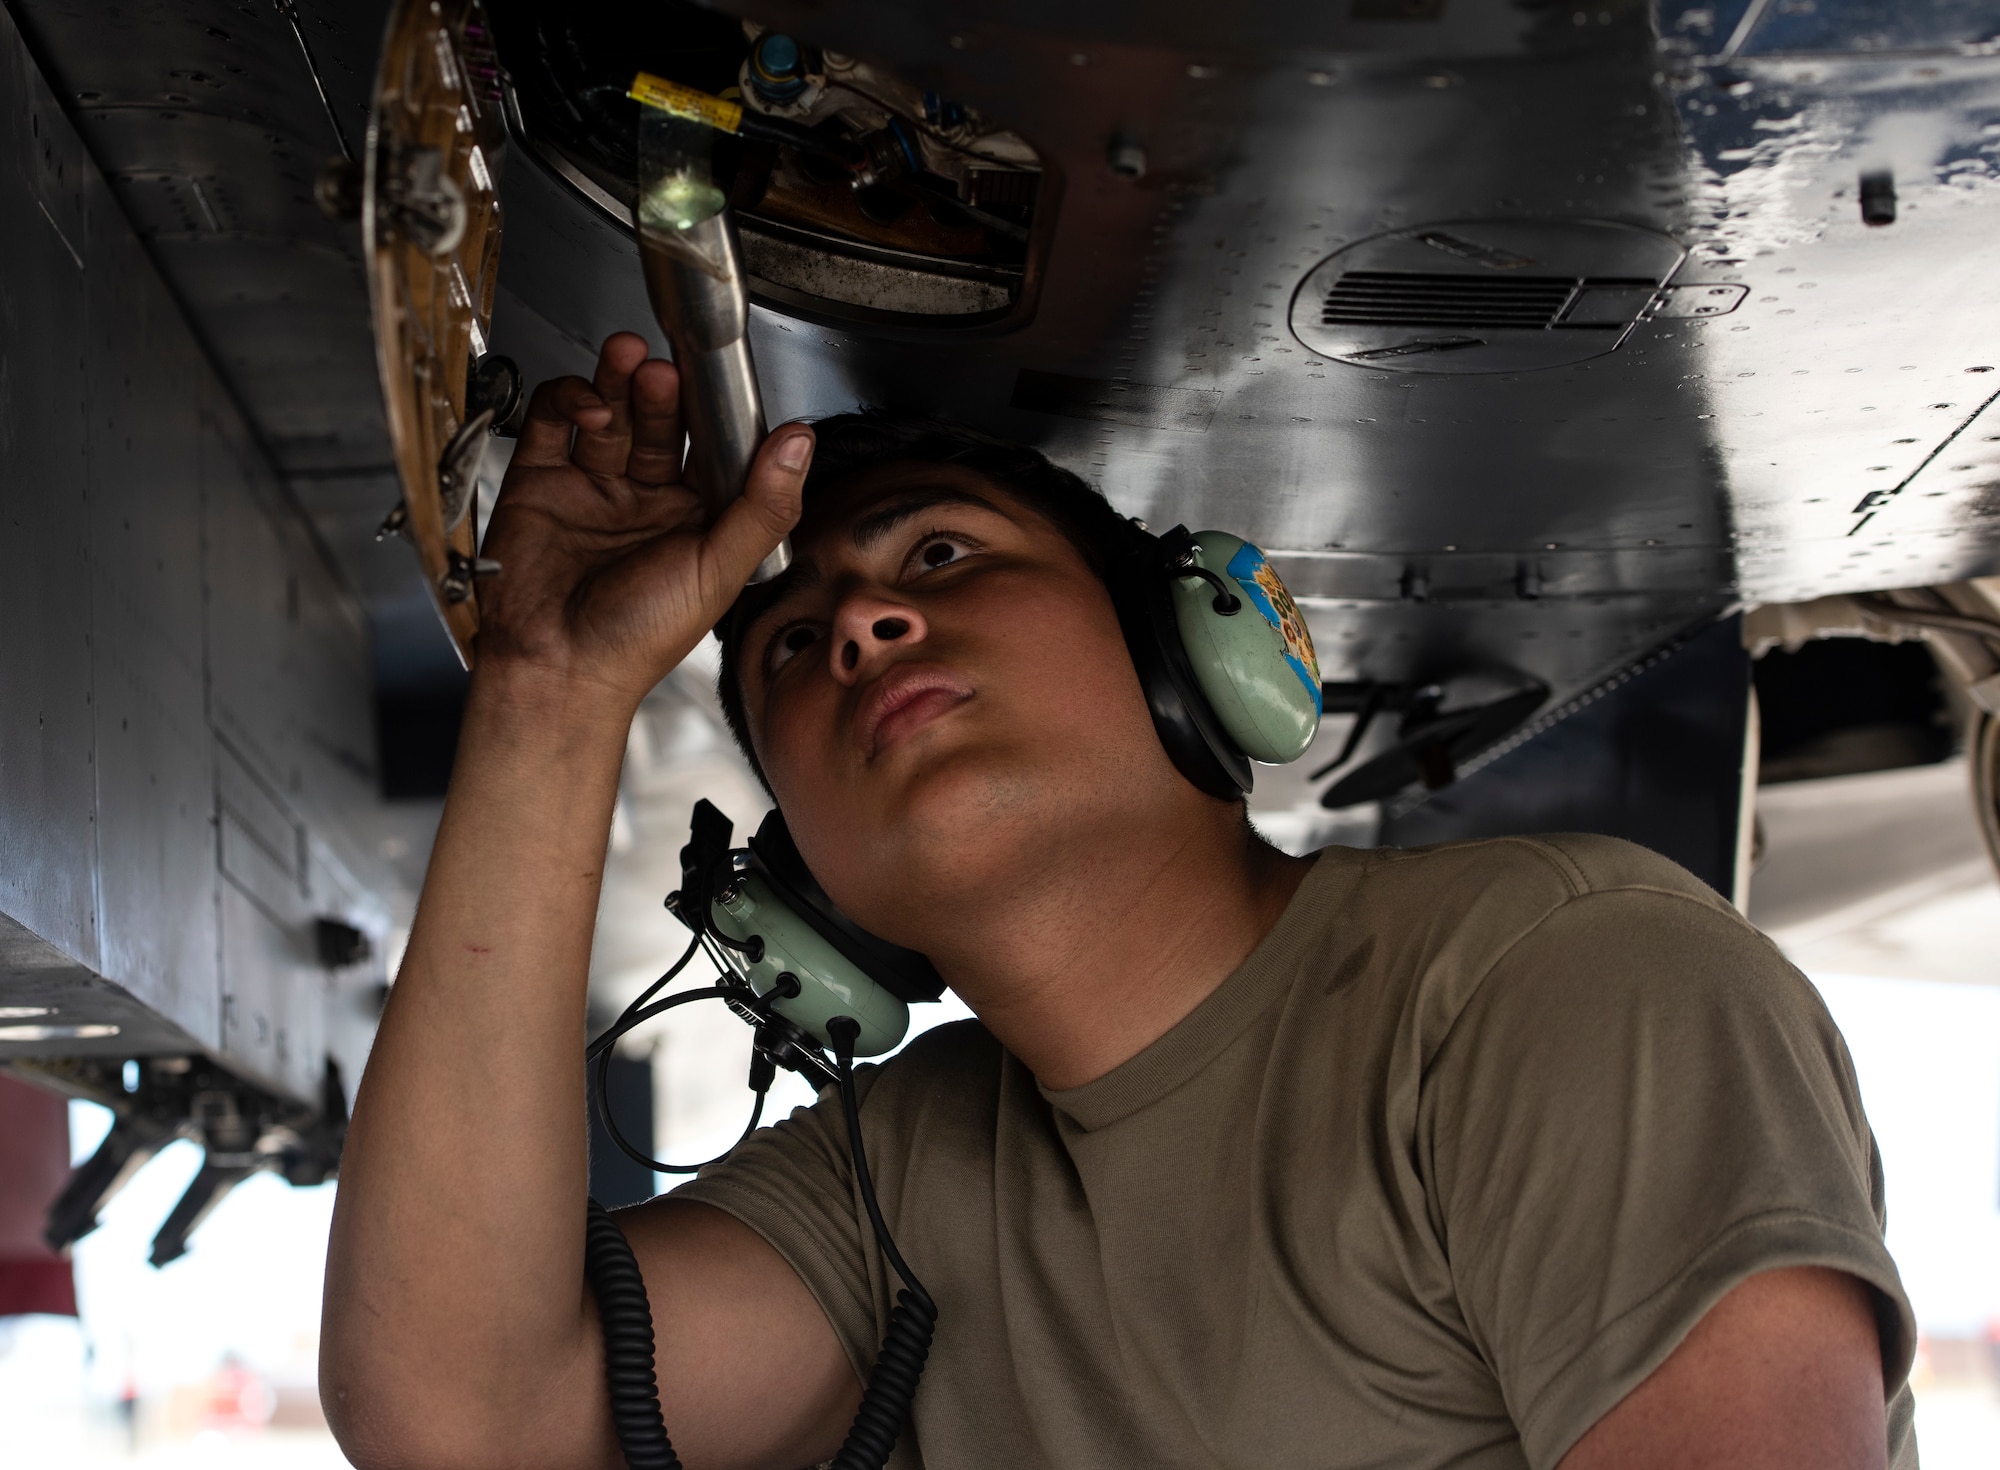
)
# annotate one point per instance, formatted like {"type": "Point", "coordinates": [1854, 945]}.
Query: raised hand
{"type": "Point", "coordinates": [610, 572]}
{"type": "Point", "coordinates": [465, 1164]}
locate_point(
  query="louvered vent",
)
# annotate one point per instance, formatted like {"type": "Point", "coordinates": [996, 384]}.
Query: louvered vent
{"type": "Point", "coordinates": [1409, 299]}
{"type": "Point", "coordinates": [1492, 295]}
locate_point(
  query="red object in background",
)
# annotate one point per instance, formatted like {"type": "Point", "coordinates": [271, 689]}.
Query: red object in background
{"type": "Point", "coordinates": [34, 1166]}
{"type": "Point", "coordinates": [237, 1397]}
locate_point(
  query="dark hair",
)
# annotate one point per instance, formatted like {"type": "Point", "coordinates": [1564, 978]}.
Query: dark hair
{"type": "Point", "coordinates": [849, 443]}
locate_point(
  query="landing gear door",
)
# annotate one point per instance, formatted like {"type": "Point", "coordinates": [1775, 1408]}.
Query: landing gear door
{"type": "Point", "coordinates": [430, 223]}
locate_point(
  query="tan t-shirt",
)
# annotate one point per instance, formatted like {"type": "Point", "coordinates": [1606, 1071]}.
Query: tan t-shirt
{"type": "Point", "coordinates": [1446, 1167]}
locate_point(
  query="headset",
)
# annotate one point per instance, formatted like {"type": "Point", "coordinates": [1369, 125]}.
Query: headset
{"type": "Point", "coordinates": [1222, 651]}
{"type": "Point", "coordinates": [1227, 666]}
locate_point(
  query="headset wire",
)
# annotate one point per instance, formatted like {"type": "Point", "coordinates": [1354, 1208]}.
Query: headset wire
{"type": "Point", "coordinates": [892, 1383]}
{"type": "Point", "coordinates": [626, 1314]}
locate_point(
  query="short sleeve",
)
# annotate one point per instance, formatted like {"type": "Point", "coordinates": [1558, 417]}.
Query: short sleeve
{"type": "Point", "coordinates": [927, 1118]}
{"type": "Point", "coordinates": [792, 1184]}
{"type": "Point", "coordinates": [1641, 1105]}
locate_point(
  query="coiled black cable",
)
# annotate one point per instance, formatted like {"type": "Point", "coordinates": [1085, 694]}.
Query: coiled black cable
{"type": "Point", "coordinates": [892, 1382]}
{"type": "Point", "coordinates": [627, 1319]}
{"type": "Point", "coordinates": [627, 1316]}
{"type": "Point", "coordinates": [892, 1385]}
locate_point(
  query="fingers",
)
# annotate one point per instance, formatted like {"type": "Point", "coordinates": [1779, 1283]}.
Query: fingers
{"type": "Point", "coordinates": [601, 448]}
{"type": "Point", "coordinates": [752, 525]}
{"type": "Point", "coordinates": [656, 424]}
{"type": "Point", "coordinates": [559, 408]}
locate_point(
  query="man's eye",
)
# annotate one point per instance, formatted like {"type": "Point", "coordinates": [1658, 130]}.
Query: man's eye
{"type": "Point", "coordinates": [939, 551]}
{"type": "Point", "coordinates": [793, 640]}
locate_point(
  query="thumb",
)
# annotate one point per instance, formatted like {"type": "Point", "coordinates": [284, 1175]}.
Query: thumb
{"type": "Point", "coordinates": [773, 496]}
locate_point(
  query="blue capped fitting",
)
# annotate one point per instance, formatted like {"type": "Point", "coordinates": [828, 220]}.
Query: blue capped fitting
{"type": "Point", "coordinates": [777, 68]}
{"type": "Point", "coordinates": [943, 112]}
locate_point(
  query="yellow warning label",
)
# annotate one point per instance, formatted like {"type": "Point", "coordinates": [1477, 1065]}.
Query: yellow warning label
{"type": "Point", "coordinates": [685, 102]}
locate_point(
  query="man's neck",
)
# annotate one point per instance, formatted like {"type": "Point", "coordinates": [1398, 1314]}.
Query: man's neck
{"type": "Point", "coordinates": [1078, 973]}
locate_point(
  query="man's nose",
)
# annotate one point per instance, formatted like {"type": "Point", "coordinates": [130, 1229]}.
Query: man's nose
{"type": "Point", "coordinates": [866, 627]}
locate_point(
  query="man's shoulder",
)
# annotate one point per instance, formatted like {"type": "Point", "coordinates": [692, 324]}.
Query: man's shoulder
{"type": "Point", "coordinates": [1537, 873]}
{"type": "Point", "coordinates": [958, 1052]}
{"type": "Point", "coordinates": [940, 1096]}
{"type": "Point", "coordinates": [952, 1046]}
{"type": "Point", "coordinates": [1433, 924]}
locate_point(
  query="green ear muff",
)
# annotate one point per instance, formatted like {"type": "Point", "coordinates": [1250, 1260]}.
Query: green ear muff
{"type": "Point", "coordinates": [805, 979]}
{"type": "Point", "coordinates": [1247, 644]}
{"type": "Point", "coordinates": [808, 961]}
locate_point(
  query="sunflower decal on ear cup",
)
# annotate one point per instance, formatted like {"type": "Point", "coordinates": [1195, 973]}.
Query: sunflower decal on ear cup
{"type": "Point", "coordinates": [1257, 669]}
{"type": "Point", "coordinates": [1260, 580]}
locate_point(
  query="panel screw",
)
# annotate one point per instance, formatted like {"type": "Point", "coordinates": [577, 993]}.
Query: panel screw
{"type": "Point", "coordinates": [1127, 159]}
{"type": "Point", "coordinates": [337, 190]}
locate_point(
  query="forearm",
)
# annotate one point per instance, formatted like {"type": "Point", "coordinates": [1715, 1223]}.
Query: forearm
{"type": "Point", "coordinates": [454, 1276]}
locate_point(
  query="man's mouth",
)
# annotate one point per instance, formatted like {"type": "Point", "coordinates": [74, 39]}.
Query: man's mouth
{"type": "Point", "coordinates": [903, 701]}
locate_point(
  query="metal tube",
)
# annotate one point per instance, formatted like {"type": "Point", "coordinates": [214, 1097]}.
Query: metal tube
{"type": "Point", "coordinates": [694, 277]}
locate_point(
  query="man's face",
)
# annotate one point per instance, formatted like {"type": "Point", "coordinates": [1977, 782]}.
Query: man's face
{"type": "Point", "coordinates": [940, 693]}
